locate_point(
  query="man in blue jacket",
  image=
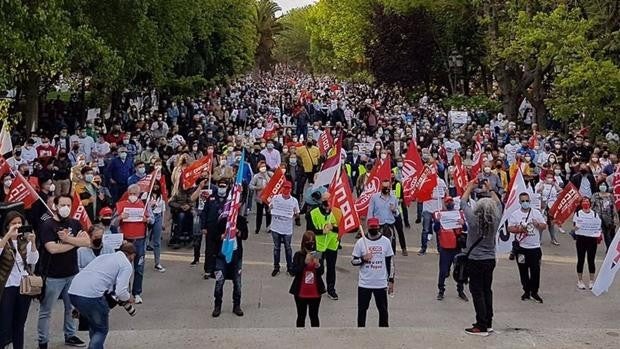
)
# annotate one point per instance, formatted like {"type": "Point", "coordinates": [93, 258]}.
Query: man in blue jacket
{"type": "Point", "coordinates": [119, 170]}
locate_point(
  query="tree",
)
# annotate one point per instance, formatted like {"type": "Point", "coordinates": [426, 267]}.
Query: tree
{"type": "Point", "coordinates": [293, 42]}
{"type": "Point", "coordinates": [267, 27]}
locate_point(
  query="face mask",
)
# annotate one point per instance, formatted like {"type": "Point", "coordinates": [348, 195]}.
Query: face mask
{"type": "Point", "coordinates": [399, 164]}
{"type": "Point", "coordinates": [558, 146]}
{"type": "Point", "coordinates": [89, 178]}
{"type": "Point", "coordinates": [123, 156]}
{"type": "Point", "coordinates": [549, 180]}
{"type": "Point", "coordinates": [525, 205]}
{"type": "Point", "coordinates": [125, 141]}
{"type": "Point", "coordinates": [52, 188]}
{"type": "Point", "coordinates": [355, 152]}
{"type": "Point", "coordinates": [221, 192]}
{"type": "Point", "coordinates": [594, 160]}
{"type": "Point", "coordinates": [8, 182]}
{"type": "Point", "coordinates": [269, 146]}
{"type": "Point", "coordinates": [602, 188]}
{"type": "Point", "coordinates": [450, 207]}
{"type": "Point", "coordinates": [310, 246]}
{"type": "Point", "coordinates": [585, 205]}
{"type": "Point", "coordinates": [552, 160]}
{"type": "Point", "coordinates": [64, 211]}
{"type": "Point", "coordinates": [141, 170]}
{"type": "Point", "coordinates": [315, 128]}
{"type": "Point", "coordinates": [96, 242]}
{"type": "Point", "coordinates": [468, 153]}
{"type": "Point", "coordinates": [106, 221]}
{"type": "Point", "coordinates": [385, 190]}
{"type": "Point", "coordinates": [373, 232]}
{"type": "Point", "coordinates": [285, 150]}
{"type": "Point", "coordinates": [528, 159]}
{"type": "Point", "coordinates": [133, 198]}
{"type": "Point", "coordinates": [383, 156]}
{"type": "Point", "coordinates": [558, 172]}
{"type": "Point", "coordinates": [293, 161]}
{"type": "Point", "coordinates": [195, 148]}
{"type": "Point", "coordinates": [487, 170]}
{"type": "Point", "coordinates": [513, 142]}
{"type": "Point", "coordinates": [263, 169]}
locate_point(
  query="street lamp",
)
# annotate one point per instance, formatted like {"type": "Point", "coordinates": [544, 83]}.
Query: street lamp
{"type": "Point", "coordinates": [456, 63]}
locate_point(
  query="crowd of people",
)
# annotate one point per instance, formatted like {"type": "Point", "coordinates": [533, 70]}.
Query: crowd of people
{"type": "Point", "coordinates": [266, 123]}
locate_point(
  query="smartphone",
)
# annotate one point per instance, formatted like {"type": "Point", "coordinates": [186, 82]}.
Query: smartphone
{"type": "Point", "coordinates": [316, 254]}
{"type": "Point", "coordinates": [24, 229]}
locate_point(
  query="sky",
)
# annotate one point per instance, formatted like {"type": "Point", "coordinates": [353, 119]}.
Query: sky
{"type": "Point", "coordinates": [289, 4]}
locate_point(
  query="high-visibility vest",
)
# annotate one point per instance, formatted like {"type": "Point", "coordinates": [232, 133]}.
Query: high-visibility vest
{"type": "Point", "coordinates": [327, 241]}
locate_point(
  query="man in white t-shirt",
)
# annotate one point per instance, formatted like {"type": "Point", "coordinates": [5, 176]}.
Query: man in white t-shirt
{"type": "Point", "coordinates": [428, 208]}
{"type": "Point", "coordinates": [284, 209]}
{"type": "Point", "coordinates": [373, 254]}
{"type": "Point", "coordinates": [527, 223]}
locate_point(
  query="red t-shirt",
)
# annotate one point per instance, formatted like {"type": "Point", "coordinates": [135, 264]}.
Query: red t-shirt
{"type": "Point", "coordinates": [131, 230]}
{"type": "Point", "coordinates": [309, 287]}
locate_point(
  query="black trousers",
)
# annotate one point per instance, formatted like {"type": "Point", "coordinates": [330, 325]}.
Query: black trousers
{"type": "Point", "coordinates": [13, 313]}
{"type": "Point", "coordinates": [405, 213]}
{"type": "Point", "coordinates": [329, 258]}
{"type": "Point", "coordinates": [529, 270]}
{"type": "Point", "coordinates": [363, 301]}
{"type": "Point", "coordinates": [398, 224]}
{"type": "Point", "coordinates": [586, 245]}
{"type": "Point", "coordinates": [260, 209]}
{"type": "Point", "coordinates": [310, 306]}
{"type": "Point", "coordinates": [609, 232]}
{"type": "Point", "coordinates": [480, 282]}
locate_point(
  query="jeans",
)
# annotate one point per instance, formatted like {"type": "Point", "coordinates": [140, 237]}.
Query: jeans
{"type": "Point", "coordinates": [427, 223]}
{"type": "Point", "coordinates": [138, 266]}
{"type": "Point", "coordinates": [278, 240]}
{"type": "Point", "coordinates": [54, 289]}
{"type": "Point", "coordinates": [96, 311]}
{"type": "Point", "coordinates": [305, 305]}
{"type": "Point", "coordinates": [529, 270]}
{"type": "Point", "coordinates": [13, 313]}
{"type": "Point", "coordinates": [480, 283]}
{"type": "Point", "coordinates": [156, 232]}
{"type": "Point", "coordinates": [446, 256]}
{"type": "Point", "coordinates": [363, 301]}
{"type": "Point", "coordinates": [184, 226]}
{"type": "Point", "coordinates": [328, 259]}
{"type": "Point", "coordinates": [260, 208]}
{"type": "Point", "coordinates": [221, 270]}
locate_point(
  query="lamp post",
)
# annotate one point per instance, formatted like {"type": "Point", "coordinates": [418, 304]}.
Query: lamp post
{"type": "Point", "coordinates": [456, 63]}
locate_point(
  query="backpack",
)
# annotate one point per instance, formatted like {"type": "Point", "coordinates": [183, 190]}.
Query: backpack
{"type": "Point", "coordinates": [460, 273]}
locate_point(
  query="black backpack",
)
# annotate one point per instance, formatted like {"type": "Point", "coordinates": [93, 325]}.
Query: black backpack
{"type": "Point", "coordinates": [459, 273]}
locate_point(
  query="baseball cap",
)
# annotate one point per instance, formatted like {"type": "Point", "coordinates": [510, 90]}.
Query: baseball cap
{"type": "Point", "coordinates": [373, 223]}
{"type": "Point", "coordinates": [105, 212]}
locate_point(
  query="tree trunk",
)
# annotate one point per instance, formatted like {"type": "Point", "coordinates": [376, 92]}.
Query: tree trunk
{"type": "Point", "coordinates": [31, 97]}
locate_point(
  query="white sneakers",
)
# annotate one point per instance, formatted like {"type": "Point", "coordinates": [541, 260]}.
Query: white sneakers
{"type": "Point", "coordinates": [137, 299]}
{"type": "Point", "coordinates": [591, 284]}
{"type": "Point", "coordinates": [160, 269]}
{"type": "Point", "coordinates": [582, 286]}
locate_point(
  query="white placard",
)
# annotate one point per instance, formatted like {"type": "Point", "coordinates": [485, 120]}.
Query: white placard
{"type": "Point", "coordinates": [450, 219]}
{"type": "Point", "coordinates": [458, 117]}
{"type": "Point", "coordinates": [93, 113]}
{"type": "Point", "coordinates": [113, 241]}
{"type": "Point", "coordinates": [134, 214]}
{"type": "Point", "coordinates": [285, 211]}
{"type": "Point", "coordinates": [589, 226]}
{"type": "Point", "coordinates": [365, 148]}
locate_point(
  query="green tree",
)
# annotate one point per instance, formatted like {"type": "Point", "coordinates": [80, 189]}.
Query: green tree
{"type": "Point", "coordinates": [267, 27]}
{"type": "Point", "coordinates": [293, 42]}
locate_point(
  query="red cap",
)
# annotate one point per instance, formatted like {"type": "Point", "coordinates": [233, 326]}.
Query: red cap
{"type": "Point", "coordinates": [448, 199]}
{"type": "Point", "coordinates": [287, 184]}
{"type": "Point", "coordinates": [373, 223]}
{"type": "Point", "coordinates": [105, 212]}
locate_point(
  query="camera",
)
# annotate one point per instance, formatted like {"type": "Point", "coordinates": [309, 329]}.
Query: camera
{"type": "Point", "coordinates": [481, 183]}
{"type": "Point", "coordinates": [113, 301]}
{"type": "Point", "coordinates": [129, 308]}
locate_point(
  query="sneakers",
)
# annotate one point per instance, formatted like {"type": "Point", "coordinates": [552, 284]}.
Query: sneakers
{"type": "Point", "coordinates": [217, 310]}
{"type": "Point", "coordinates": [237, 310]}
{"type": "Point", "coordinates": [562, 230]}
{"type": "Point", "coordinates": [418, 220]}
{"type": "Point", "coordinates": [206, 276]}
{"type": "Point", "coordinates": [42, 345]}
{"type": "Point", "coordinates": [537, 298]}
{"type": "Point", "coordinates": [275, 272]}
{"type": "Point", "coordinates": [194, 262]}
{"type": "Point", "coordinates": [332, 295]}
{"type": "Point", "coordinates": [137, 299]}
{"type": "Point", "coordinates": [555, 242]}
{"type": "Point", "coordinates": [422, 252]}
{"type": "Point", "coordinates": [581, 285]}
{"type": "Point", "coordinates": [525, 296]}
{"type": "Point", "coordinates": [476, 331]}
{"type": "Point", "coordinates": [591, 284]}
{"type": "Point", "coordinates": [149, 248]}
{"type": "Point", "coordinates": [290, 273]}
{"type": "Point", "coordinates": [73, 341]}
{"type": "Point", "coordinates": [463, 296]}
{"type": "Point", "coordinates": [440, 295]}
{"type": "Point", "coordinates": [405, 253]}
{"type": "Point", "coordinates": [160, 269]}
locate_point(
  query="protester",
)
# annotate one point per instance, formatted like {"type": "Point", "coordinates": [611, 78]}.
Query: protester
{"type": "Point", "coordinates": [258, 183]}
{"type": "Point", "coordinates": [588, 235]}
{"type": "Point", "coordinates": [308, 285]}
{"type": "Point", "coordinates": [603, 204]}
{"type": "Point", "coordinates": [384, 206]}
{"type": "Point", "coordinates": [284, 209]}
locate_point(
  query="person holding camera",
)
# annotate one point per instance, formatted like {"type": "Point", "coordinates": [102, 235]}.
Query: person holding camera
{"type": "Point", "coordinates": [527, 223]}
{"type": "Point", "coordinates": [61, 236]}
{"type": "Point", "coordinates": [18, 251]}
{"type": "Point", "coordinates": [483, 219]}
{"type": "Point", "coordinates": [308, 285]}
{"type": "Point", "coordinates": [90, 286]}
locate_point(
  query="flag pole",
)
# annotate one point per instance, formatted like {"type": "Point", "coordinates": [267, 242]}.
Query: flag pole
{"type": "Point", "coordinates": [148, 198]}
{"type": "Point", "coordinates": [34, 191]}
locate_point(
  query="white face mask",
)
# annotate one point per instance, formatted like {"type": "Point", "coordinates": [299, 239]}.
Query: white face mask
{"type": "Point", "coordinates": [132, 198]}
{"type": "Point", "coordinates": [263, 169]}
{"type": "Point", "coordinates": [64, 211]}
{"type": "Point", "coordinates": [52, 188]}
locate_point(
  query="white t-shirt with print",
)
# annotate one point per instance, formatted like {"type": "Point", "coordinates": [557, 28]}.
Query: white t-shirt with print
{"type": "Point", "coordinates": [587, 224]}
{"type": "Point", "coordinates": [373, 274]}
{"type": "Point", "coordinates": [532, 239]}
{"type": "Point", "coordinates": [282, 214]}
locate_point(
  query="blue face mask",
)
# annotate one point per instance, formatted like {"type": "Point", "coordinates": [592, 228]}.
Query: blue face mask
{"type": "Point", "coordinates": [525, 205]}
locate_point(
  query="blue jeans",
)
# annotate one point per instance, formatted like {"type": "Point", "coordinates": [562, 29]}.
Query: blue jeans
{"type": "Point", "coordinates": [427, 224]}
{"type": "Point", "coordinates": [54, 289]}
{"type": "Point", "coordinates": [222, 269]}
{"type": "Point", "coordinates": [278, 240]}
{"type": "Point", "coordinates": [446, 256]}
{"type": "Point", "coordinates": [138, 266]}
{"type": "Point", "coordinates": [156, 231]}
{"type": "Point", "coordinates": [96, 311]}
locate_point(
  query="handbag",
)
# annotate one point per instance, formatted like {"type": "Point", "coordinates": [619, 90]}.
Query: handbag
{"type": "Point", "coordinates": [459, 273]}
{"type": "Point", "coordinates": [29, 285]}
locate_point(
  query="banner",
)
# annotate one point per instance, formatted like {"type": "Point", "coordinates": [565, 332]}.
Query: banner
{"type": "Point", "coordinates": [342, 199]}
{"type": "Point", "coordinates": [231, 210]}
{"type": "Point", "coordinates": [565, 205]}
{"type": "Point", "coordinates": [503, 237]}
{"type": "Point", "coordinates": [78, 212]}
{"type": "Point", "coordinates": [611, 264]}
{"type": "Point", "coordinates": [616, 186]}
{"type": "Point", "coordinates": [274, 186]}
{"type": "Point", "coordinates": [4, 166]}
{"type": "Point", "coordinates": [325, 142]}
{"type": "Point", "coordinates": [424, 185]}
{"type": "Point", "coordinates": [270, 128]}
{"type": "Point", "coordinates": [457, 117]}
{"type": "Point", "coordinates": [477, 160]}
{"type": "Point", "coordinates": [460, 174]}
{"type": "Point", "coordinates": [330, 166]}
{"type": "Point", "coordinates": [22, 191]}
{"type": "Point", "coordinates": [379, 172]}
{"type": "Point", "coordinates": [450, 219]}
{"type": "Point", "coordinates": [192, 172]}
{"type": "Point", "coordinates": [412, 167]}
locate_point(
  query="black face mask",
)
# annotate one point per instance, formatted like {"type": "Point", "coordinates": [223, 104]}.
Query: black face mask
{"type": "Point", "coordinates": [310, 246]}
{"type": "Point", "coordinates": [325, 205]}
{"type": "Point", "coordinates": [450, 207]}
{"type": "Point", "coordinates": [97, 242]}
{"type": "Point", "coordinates": [373, 232]}
{"type": "Point", "coordinates": [106, 221]}
{"type": "Point", "coordinates": [385, 190]}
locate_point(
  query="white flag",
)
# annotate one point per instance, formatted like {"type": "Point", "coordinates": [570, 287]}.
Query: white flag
{"type": "Point", "coordinates": [503, 237]}
{"type": "Point", "coordinates": [6, 146]}
{"type": "Point", "coordinates": [610, 267]}
{"type": "Point", "coordinates": [325, 176]}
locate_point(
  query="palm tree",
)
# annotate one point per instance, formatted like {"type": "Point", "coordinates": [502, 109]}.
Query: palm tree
{"type": "Point", "coordinates": [267, 26]}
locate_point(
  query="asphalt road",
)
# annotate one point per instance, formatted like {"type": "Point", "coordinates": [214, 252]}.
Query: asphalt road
{"type": "Point", "coordinates": [178, 303]}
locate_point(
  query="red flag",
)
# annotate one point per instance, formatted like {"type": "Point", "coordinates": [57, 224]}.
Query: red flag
{"type": "Point", "coordinates": [565, 205]}
{"type": "Point", "coordinates": [4, 167]}
{"type": "Point", "coordinates": [533, 141]}
{"type": "Point", "coordinates": [274, 186]}
{"type": "Point", "coordinates": [22, 191]}
{"type": "Point", "coordinates": [78, 212]}
{"type": "Point", "coordinates": [477, 161]}
{"type": "Point", "coordinates": [342, 199]}
{"type": "Point", "coordinates": [379, 172]}
{"type": "Point", "coordinates": [412, 167]}
{"type": "Point", "coordinates": [145, 184]}
{"type": "Point", "coordinates": [460, 175]}
{"type": "Point", "coordinates": [192, 172]}
{"type": "Point", "coordinates": [270, 128]}
{"type": "Point", "coordinates": [333, 154]}
{"type": "Point", "coordinates": [326, 142]}
{"type": "Point", "coordinates": [616, 185]}
{"type": "Point", "coordinates": [425, 184]}
{"type": "Point", "coordinates": [162, 186]}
